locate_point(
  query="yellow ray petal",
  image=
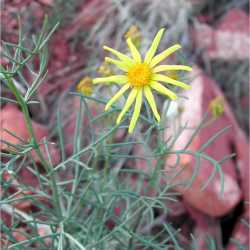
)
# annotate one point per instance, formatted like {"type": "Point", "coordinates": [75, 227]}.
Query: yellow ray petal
{"type": "Point", "coordinates": [163, 78]}
{"type": "Point", "coordinates": [161, 68]}
{"type": "Point", "coordinates": [151, 52]}
{"type": "Point", "coordinates": [160, 57]}
{"type": "Point", "coordinates": [129, 102]}
{"type": "Point", "coordinates": [136, 112]}
{"type": "Point", "coordinates": [117, 96]}
{"type": "Point", "coordinates": [119, 79]}
{"type": "Point", "coordinates": [151, 101]}
{"type": "Point", "coordinates": [161, 89]}
{"type": "Point", "coordinates": [135, 53]}
{"type": "Point", "coordinates": [120, 64]}
{"type": "Point", "coordinates": [120, 55]}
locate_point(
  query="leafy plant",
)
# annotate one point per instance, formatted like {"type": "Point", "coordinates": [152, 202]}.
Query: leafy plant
{"type": "Point", "coordinates": [93, 198]}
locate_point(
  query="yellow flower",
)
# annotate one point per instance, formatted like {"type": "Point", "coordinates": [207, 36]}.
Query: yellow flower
{"type": "Point", "coordinates": [85, 86]}
{"type": "Point", "coordinates": [141, 76]}
{"type": "Point", "coordinates": [216, 107]}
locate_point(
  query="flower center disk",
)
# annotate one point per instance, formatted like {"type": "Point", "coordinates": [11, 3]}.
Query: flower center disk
{"type": "Point", "coordinates": [139, 75]}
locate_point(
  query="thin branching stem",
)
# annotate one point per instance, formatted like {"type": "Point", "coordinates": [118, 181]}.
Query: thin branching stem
{"type": "Point", "coordinates": [33, 140]}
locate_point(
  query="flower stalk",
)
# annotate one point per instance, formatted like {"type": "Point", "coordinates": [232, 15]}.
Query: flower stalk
{"type": "Point", "coordinates": [34, 142]}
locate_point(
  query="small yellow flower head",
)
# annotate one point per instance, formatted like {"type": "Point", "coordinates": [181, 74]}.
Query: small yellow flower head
{"type": "Point", "coordinates": [141, 77]}
{"type": "Point", "coordinates": [216, 107]}
{"type": "Point", "coordinates": [85, 86]}
{"type": "Point", "coordinates": [135, 34]}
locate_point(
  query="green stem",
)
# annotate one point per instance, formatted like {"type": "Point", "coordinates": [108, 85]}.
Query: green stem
{"type": "Point", "coordinates": [35, 144]}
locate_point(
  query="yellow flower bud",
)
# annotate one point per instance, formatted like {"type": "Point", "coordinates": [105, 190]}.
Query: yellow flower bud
{"type": "Point", "coordinates": [216, 107]}
{"type": "Point", "coordinates": [85, 86]}
{"type": "Point", "coordinates": [135, 34]}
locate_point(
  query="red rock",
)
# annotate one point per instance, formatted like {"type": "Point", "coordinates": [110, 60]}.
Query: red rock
{"type": "Point", "coordinates": [235, 20]}
{"type": "Point", "coordinates": [19, 234]}
{"type": "Point", "coordinates": [117, 211]}
{"type": "Point", "coordinates": [240, 235]}
{"type": "Point", "coordinates": [110, 224]}
{"type": "Point", "coordinates": [204, 226]}
{"type": "Point", "coordinates": [210, 201]}
{"type": "Point", "coordinates": [23, 204]}
{"type": "Point", "coordinates": [60, 52]}
{"type": "Point", "coordinates": [88, 15]}
{"type": "Point", "coordinates": [5, 218]}
{"type": "Point", "coordinates": [44, 230]}
{"type": "Point", "coordinates": [28, 178]}
{"type": "Point", "coordinates": [229, 40]}
{"type": "Point", "coordinates": [47, 2]}
{"type": "Point", "coordinates": [12, 119]}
